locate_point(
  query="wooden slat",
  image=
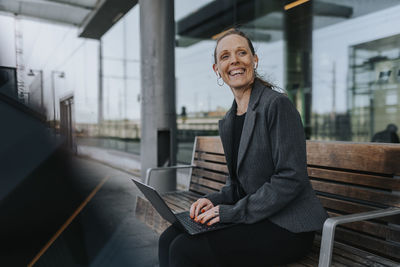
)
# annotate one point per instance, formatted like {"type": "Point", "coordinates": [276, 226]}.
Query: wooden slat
{"type": "Point", "coordinates": [181, 203]}
{"type": "Point", "coordinates": [141, 208]}
{"type": "Point", "coordinates": [209, 174]}
{"type": "Point", "coordinates": [211, 166]}
{"type": "Point", "coordinates": [350, 252]}
{"type": "Point", "coordinates": [374, 229]}
{"type": "Point", "coordinates": [364, 260]}
{"type": "Point", "coordinates": [357, 193]}
{"type": "Point", "coordinates": [201, 189]}
{"type": "Point", "coordinates": [371, 259]}
{"type": "Point", "coordinates": [309, 260]}
{"type": "Point", "coordinates": [369, 243]}
{"type": "Point", "coordinates": [297, 264]}
{"type": "Point", "coordinates": [192, 195]}
{"type": "Point", "coordinates": [181, 200]}
{"type": "Point", "coordinates": [210, 157]}
{"type": "Point", "coordinates": [210, 144]}
{"type": "Point", "coordinates": [339, 259]}
{"type": "Point", "coordinates": [209, 183]}
{"type": "Point", "coordinates": [369, 157]}
{"type": "Point", "coordinates": [173, 205]}
{"type": "Point", "coordinates": [351, 207]}
{"type": "Point", "coordinates": [181, 195]}
{"type": "Point", "coordinates": [355, 178]}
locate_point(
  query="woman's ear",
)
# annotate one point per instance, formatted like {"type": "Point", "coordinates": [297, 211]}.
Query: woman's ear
{"type": "Point", "coordinates": [215, 68]}
{"type": "Point", "coordinates": [255, 61]}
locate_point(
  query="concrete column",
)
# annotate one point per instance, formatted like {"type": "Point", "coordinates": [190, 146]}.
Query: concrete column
{"type": "Point", "coordinates": [158, 115]}
{"type": "Point", "coordinates": [298, 37]}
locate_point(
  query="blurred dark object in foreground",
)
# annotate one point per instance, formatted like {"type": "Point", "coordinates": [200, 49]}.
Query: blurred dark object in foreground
{"type": "Point", "coordinates": [8, 82]}
{"type": "Point", "coordinates": [389, 135]}
{"type": "Point", "coordinates": [37, 189]}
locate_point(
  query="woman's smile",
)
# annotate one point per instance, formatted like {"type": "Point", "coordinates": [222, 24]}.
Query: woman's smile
{"type": "Point", "coordinates": [237, 72]}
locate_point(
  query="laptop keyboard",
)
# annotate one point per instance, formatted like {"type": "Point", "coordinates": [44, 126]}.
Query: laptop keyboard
{"type": "Point", "coordinates": [196, 227]}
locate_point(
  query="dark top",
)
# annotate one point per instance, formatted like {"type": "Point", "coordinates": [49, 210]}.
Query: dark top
{"type": "Point", "coordinates": [237, 134]}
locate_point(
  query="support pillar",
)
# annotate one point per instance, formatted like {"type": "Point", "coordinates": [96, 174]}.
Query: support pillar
{"type": "Point", "coordinates": [298, 37]}
{"type": "Point", "coordinates": [158, 114]}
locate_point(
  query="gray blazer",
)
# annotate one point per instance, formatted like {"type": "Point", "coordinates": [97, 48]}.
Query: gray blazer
{"type": "Point", "coordinates": [271, 166]}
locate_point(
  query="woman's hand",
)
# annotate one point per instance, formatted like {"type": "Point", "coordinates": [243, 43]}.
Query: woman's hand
{"type": "Point", "coordinates": [211, 216]}
{"type": "Point", "coordinates": [202, 204]}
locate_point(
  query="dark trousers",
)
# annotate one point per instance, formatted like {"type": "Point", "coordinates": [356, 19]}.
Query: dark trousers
{"type": "Point", "coordinates": [261, 244]}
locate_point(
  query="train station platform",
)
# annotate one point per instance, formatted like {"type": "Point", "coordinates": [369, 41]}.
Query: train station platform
{"type": "Point", "coordinates": [104, 232]}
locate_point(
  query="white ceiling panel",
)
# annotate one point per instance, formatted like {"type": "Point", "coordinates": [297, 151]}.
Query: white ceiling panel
{"type": "Point", "coordinates": [62, 11]}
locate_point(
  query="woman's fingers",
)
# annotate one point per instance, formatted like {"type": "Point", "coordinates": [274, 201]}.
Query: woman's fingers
{"type": "Point", "coordinates": [192, 209]}
{"type": "Point", "coordinates": [215, 220]}
{"type": "Point", "coordinates": [206, 208]}
{"type": "Point", "coordinates": [208, 215]}
{"type": "Point", "coordinates": [202, 204]}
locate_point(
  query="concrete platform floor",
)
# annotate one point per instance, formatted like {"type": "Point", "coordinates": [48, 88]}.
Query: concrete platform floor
{"type": "Point", "coordinates": [105, 232]}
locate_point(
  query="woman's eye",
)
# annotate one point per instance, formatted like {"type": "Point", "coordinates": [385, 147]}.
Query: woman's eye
{"type": "Point", "coordinates": [242, 53]}
{"type": "Point", "coordinates": [224, 56]}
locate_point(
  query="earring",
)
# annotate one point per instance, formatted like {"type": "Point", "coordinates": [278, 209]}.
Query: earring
{"type": "Point", "coordinates": [219, 79]}
{"type": "Point", "coordinates": [255, 65]}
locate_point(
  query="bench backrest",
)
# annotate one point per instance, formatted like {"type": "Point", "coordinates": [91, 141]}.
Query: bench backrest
{"type": "Point", "coordinates": [358, 177]}
{"type": "Point", "coordinates": [347, 177]}
{"type": "Point", "coordinates": [211, 171]}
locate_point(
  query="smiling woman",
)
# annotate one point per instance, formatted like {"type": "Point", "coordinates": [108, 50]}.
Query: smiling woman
{"type": "Point", "coordinates": [268, 193]}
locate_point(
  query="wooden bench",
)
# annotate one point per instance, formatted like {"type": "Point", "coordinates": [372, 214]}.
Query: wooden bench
{"type": "Point", "coordinates": [354, 181]}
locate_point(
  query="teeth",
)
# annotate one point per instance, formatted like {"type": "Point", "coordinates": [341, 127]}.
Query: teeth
{"type": "Point", "coordinates": [234, 72]}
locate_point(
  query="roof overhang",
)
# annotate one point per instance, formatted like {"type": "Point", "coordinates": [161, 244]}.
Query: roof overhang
{"type": "Point", "coordinates": [217, 16]}
{"type": "Point", "coordinates": [104, 17]}
{"type": "Point", "coordinates": [94, 17]}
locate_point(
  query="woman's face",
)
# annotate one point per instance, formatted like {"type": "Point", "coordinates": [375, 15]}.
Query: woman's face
{"type": "Point", "coordinates": [235, 62]}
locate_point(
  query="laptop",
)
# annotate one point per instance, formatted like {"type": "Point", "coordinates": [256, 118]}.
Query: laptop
{"type": "Point", "coordinates": [181, 220]}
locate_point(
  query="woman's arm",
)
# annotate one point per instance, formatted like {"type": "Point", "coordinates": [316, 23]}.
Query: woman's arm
{"type": "Point", "coordinates": [227, 194]}
{"type": "Point", "coordinates": [288, 149]}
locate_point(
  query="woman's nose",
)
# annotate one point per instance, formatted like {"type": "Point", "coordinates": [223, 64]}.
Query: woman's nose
{"type": "Point", "coordinates": [234, 60]}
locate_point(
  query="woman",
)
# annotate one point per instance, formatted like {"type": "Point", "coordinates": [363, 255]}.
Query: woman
{"type": "Point", "coordinates": [268, 192]}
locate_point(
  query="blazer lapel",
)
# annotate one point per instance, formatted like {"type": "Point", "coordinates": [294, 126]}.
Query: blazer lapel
{"type": "Point", "coordinates": [247, 132]}
{"type": "Point", "coordinates": [249, 121]}
{"type": "Point", "coordinates": [225, 132]}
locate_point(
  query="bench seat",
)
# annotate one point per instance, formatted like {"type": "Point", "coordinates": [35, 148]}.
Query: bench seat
{"type": "Point", "coordinates": [349, 178]}
{"type": "Point", "coordinates": [343, 255]}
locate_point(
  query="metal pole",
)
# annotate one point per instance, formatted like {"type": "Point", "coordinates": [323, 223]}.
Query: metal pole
{"type": "Point", "coordinates": [62, 75]}
{"type": "Point", "coordinates": [100, 102]}
{"type": "Point", "coordinates": [54, 98]}
{"type": "Point", "coordinates": [41, 91]}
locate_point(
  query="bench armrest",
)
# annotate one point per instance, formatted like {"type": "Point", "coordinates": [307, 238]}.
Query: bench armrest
{"type": "Point", "coordinates": [150, 170]}
{"type": "Point", "coordinates": [328, 232]}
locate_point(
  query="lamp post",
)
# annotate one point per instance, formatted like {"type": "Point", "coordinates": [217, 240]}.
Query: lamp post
{"type": "Point", "coordinates": [61, 74]}
{"type": "Point", "coordinates": [32, 73]}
